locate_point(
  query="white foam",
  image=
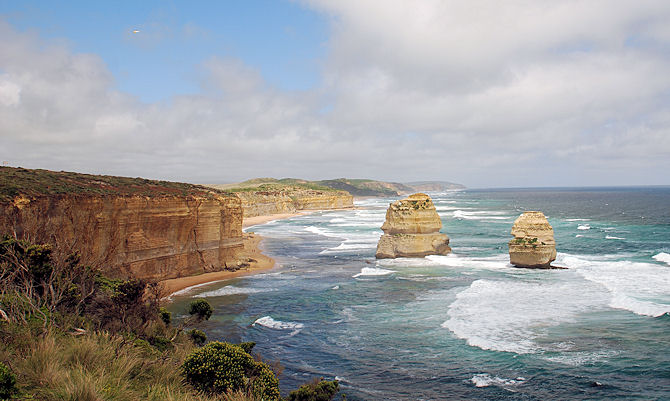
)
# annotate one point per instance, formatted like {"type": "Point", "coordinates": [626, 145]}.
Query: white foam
{"type": "Point", "coordinates": [485, 380]}
{"type": "Point", "coordinates": [641, 288]}
{"type": "Point", "coordinates": [337, 287]}
{"type": "Point", "coordinates": [662, 257]}
{"type": "Point", "coordinates": [583, 227]}
{"type": "Point", "coordinates": [613, 237]}
{"type": "Point", "coordinates": [578, 236]}
{"type": "Point", "coordinates": [269, 322]}
{"type": "Point", "coordinates": [480, 215]}
{"type": "Point", "coordinates": [577, 219]}
{"type": "Point", "coordinates": [509, 315]}
{"type": "Point", "coordinates": [321, 231]}
{"type": "Point", "coordinates": [373, 271]}
{"type": "Point", "coordinates": [186, 290]}
{"type": "Point", "coordinates": [230, 290]}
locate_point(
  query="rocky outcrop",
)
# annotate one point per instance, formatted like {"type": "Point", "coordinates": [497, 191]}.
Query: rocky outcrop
{"type": "Point", "coordinates": [533, 245]}
{"type": "Point", "coordinates": [144, 237]}
{"type": "Point", "coordinates": [412, 229]}
{"type": "Point", "coordinates": [262, 203]}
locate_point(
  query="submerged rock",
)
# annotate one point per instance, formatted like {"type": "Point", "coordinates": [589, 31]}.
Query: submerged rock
{"type": "Point", "coordinates": [533, 244]}
{"type": "Point", "coordinates": [412, 229]}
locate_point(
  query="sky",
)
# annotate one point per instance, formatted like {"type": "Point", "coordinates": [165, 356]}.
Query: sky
{"type": "Point", "coordinates": [483, 93]}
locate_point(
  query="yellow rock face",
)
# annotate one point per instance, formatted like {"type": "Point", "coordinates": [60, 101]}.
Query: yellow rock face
{"type": "Point", "coordinates": [151, 238]}
{"type": "Point", "coordinates": [533, 245]}
{"type": "Point", "coordinates": [261, 203]}
{"type": "Point", "coordinates": [412, 229]}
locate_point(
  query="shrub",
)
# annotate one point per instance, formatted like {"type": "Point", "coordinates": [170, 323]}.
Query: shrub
{"type": "Point", "coordinates": [197, 336]}
{"type": "Point", "coordinates": [7, 382]}
{"type": "Point", "coordinates": [201, 309]}
{"type": "Point", "coordinates": [165, 315]}
{"type": "Point", "coordinates": [247, 346]}
{"type": "Point", "coordinates": [222, 367]}
{"type": "Point", "coordinates": [318, 390]}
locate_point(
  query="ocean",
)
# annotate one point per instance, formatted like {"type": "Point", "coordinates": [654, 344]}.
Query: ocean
{"type": "Point", "coordinates": [467, 325]}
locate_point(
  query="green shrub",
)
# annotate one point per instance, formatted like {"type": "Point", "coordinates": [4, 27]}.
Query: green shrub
{"type": "Point", "coordinates": [160, 343]}
{"type": "Point", "coordinates": [222, 367]}
{"type": "Point", "coordinates": [7, 382]}
{"type": "Point", "coordinates": [200, 308]}
{"type": "Point", "coordinates": [197, 336]}
{"type": "Point", "coordinates": [165, 315]}
{"type": "Point", "coordinates": [318, 390]}
{"type": "Point", "coordinates": [247, 346]}
{"type": "Point", "coordinates": [264, 383]}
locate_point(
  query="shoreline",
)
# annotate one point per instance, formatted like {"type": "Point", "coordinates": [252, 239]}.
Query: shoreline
{"type": "Point", "coordinates": [252, 250]}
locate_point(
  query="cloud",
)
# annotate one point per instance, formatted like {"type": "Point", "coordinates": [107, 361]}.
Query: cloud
{"type": "Point", "coordinates": [486, 93]}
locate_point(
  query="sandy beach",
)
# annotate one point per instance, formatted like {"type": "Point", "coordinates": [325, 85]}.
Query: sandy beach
{"type": "Point", "coordinates": [251, 251]}
{"type": "Point", "coordinates": [256, 220]}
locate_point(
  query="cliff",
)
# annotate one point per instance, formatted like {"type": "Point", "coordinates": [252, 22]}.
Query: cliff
{"type": "Point", "coordinates": [126, 226]}
{"type": "Point", "coordinates": [533, 245]}
{"type": "Point", "coordinates": [411, 229]}
{"type": "Point", "coordinates": [267, 196]}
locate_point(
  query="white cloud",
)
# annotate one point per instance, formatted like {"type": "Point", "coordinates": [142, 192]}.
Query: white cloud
{"type": "Point", "coordinates": [482, 92]}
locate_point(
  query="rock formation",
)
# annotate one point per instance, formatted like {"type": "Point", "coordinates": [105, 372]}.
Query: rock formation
{"type": "Point", "coordinates": [125, 226]}
{"type": "Point", "coordinates": [260, 203]}
{"type": "Point", "coordinates": [533, 245]}
{"type": "Point", "coordinates": [412, 229]}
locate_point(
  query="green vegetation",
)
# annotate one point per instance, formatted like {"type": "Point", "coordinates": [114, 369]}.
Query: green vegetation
{"type": "Point", "coordinates": [68, 333]}
{"type": "Point", "coordinates": [35, 183]}
{"type": "Point", "coordinates": [318, 390]}
{"type": "Point", "coordinates": [201, 309]}
{"type": "Point", "coordinates": [221, 367]}
{"type": "Point", "coordinates": [197, 336]}
{"type": "Point", "coordinates": [7, 382]}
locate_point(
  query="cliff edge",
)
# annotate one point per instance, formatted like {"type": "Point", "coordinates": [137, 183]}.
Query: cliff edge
{"type": "Point", "coordinates": [412, 229]}
{"type": "Point", "coordinates": [129, 227]}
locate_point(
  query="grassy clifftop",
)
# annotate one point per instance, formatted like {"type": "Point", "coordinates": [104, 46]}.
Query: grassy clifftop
{"type": "Point", "coordinates": [356, 187]}
{"type": "Point", "coordinates": [35, 182]}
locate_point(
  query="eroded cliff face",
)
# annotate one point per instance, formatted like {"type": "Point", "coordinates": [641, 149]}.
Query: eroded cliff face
{"type": "Point", "coordinates": [412, 229]}
{"type": "Point", "coordinates": [261, 203]}
{"type": "Point", "coordinates": [533, 245]}
{"type": "Point", "coordinates": [145, 237]}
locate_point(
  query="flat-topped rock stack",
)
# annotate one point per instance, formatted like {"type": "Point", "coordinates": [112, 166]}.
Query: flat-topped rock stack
{"type": "Point", "coordinates": [412, 229]}
{"type": "Point", "coordinates": [533, 245]}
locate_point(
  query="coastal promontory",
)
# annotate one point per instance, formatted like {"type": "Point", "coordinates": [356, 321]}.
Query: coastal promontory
{"type": "Point", "coordinates": [533, 245]}
{"type": "Point", "coordinates": [412, 229]}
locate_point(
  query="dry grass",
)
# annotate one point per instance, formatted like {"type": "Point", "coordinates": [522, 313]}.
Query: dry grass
{"type": "Point", "coordinates": [100, 366]}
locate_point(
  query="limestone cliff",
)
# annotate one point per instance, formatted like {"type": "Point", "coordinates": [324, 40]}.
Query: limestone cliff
{"type": "Point", "coordinates": [127, 227]}
{"type": "Point", "coordinates": [412, 229]}
{"type": "Point", "coordinates": [533, 245]}
{"type": "Point", "coordinates": [290, 200]}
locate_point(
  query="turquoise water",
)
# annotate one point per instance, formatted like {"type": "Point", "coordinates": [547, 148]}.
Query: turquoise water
{"type": "Point", "coordinates": [467, 325]}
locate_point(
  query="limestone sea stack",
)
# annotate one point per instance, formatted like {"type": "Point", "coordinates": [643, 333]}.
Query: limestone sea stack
{"type": "Point", "coordinates": [533, 245]}
{"type": "Point", "coordinates": [412, 229]}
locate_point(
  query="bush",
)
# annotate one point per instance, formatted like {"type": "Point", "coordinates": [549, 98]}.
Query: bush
{"type": "Point", "coordinates": [222, 367]}
{"type": "Point", "coordinates": [165, 315]}
{"type": "Point", "coordinates": [318, 390]}
{"type": "Point", "coordinates": [247, 346]}
{"type": "Point", "coordinates": [197, 336]}
{"type": "Point", "coordinates": [7, 382]}
{"type": "Point", "coordinates": [201, 309]}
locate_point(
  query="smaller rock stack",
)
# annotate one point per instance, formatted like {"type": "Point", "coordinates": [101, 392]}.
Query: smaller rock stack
{"type": "Point", "coordinates": [412, 229]}
{"type": "Point", "coordinates": [533, 245]}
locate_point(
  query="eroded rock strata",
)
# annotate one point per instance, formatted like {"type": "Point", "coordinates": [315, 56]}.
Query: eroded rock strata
{"type": "Point", "coordinates": [412, 229]}
{"type": "Point", "coordinates": [152, 238]}
{"type": "Point", "coordinates": [261, 203]}
{"type": "Point", "coordinates": [128, 227]}
{"type": "Point", "coordinates": [533, 245]}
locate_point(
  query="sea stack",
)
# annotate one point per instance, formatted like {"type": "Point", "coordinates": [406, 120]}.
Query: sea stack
{"type": "Point", "coordinates": [533, 245]}
{"type": "Point", "coordinates": [412, 229]}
